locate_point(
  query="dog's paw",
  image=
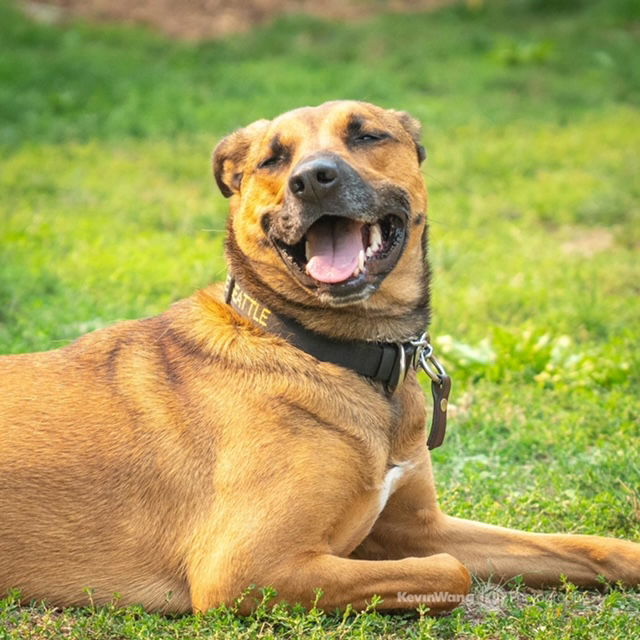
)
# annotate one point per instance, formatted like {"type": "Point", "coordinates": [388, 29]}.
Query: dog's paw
{"type": "Point", "coordinates": [619, 560]}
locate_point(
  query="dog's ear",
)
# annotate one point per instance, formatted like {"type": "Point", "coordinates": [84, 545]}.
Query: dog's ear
{"type": "Point", "coordinates": [414, 129]}
{"type": "Point", "coordinates": [230, 156]}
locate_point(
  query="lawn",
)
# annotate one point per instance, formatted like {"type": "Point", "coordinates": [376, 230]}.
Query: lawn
{"type": "Point", "coordinates": [530, 108]}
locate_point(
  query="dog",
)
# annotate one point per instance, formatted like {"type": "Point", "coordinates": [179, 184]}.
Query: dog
{"type": "Point", "coordinates": [244, 438]}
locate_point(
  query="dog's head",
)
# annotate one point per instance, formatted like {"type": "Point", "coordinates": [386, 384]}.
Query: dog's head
{"type": "Point", "coordinates": [330, 198]}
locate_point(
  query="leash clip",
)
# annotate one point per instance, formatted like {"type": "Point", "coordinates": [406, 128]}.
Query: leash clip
{"type": "Point", "coordinates": [425, 359]}
{"type": "Point", "coordinates": [420, 345]}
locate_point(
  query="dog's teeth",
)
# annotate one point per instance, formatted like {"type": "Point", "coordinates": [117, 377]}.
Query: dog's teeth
{"type": "Point", "coordinates": [361, 259]}
{"type": "Point", "coordinates": [306, 250]}
{"type": "Point", "coordinates": [375, 237]}
{"type": "Point", "coordinates": [369, 252]}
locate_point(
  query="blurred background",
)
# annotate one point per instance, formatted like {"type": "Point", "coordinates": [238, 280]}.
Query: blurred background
{"type": "Point", "coordinates": [109, 111]}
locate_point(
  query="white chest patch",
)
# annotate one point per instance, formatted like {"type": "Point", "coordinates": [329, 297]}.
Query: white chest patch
{"type": "Point", "coordinates": [392, 480]}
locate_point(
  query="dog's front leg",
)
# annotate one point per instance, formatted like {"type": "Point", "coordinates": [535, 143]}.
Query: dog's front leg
{"type": "Point", "coordinates": [541, 559]}
{"type": "Point", "coordinates": [290, 528]}
{"type": "Point", "coordinates": [412, 525]}
{"type": "Point", "coordinates": [439, 581]}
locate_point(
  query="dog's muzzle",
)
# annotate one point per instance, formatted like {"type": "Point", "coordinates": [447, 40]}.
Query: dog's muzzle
{"type": "Point", "coordinates": [339, 235]}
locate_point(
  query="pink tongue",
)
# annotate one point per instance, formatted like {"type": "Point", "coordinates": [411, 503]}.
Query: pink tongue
{"type": "Point", "coordinates": [333, 249]}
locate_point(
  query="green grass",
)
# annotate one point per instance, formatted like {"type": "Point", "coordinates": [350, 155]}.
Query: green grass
{"type": "Point", "coordinates": [108, 211]}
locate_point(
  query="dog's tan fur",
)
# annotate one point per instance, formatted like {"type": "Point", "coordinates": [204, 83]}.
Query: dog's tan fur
{"type": "Point", "coordinates": [179, 459]}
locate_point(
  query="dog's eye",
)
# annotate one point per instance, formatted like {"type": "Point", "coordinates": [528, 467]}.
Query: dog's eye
{"type": "Point", "coordinates": [270, 162]}
{"type": "Point", "coordinates": [370, 137]}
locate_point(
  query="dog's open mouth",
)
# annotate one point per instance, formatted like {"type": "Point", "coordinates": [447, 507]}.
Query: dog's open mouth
{"type": "Point", "coordinates": [341, 253]}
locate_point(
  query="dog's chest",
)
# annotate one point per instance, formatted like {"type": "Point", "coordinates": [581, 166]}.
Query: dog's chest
{"type": "Point", "coordinates": [392, 480]}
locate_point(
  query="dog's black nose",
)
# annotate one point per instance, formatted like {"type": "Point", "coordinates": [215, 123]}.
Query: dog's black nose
{"type": "Point", "coordinates": [314, 179]}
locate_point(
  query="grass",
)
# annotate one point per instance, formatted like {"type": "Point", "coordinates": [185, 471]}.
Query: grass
{"type": "Point", "coordinates": [108, 211]}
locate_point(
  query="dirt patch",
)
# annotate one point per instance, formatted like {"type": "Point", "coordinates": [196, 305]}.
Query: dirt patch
{"type": "Point", "coordinates": [588, 242]}
{"type": "Point", "coordinates": [202, 19]}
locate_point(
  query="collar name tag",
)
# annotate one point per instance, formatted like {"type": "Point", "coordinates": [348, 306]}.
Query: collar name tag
{"type": "Point", "coordinates": [250, 307]}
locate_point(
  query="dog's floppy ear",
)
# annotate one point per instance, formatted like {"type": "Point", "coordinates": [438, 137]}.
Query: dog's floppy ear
{"type": "Point", "coordinates": [230, 155]}
{"type": "Point", "coordinates": [414, 129]}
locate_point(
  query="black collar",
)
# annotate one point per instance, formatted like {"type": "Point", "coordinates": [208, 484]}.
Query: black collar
{"type": "Point", "coordinates": [386, 362]}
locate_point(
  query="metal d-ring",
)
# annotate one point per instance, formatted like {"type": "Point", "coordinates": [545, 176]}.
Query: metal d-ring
{"type": "Point", "coordinates": [432, 367]}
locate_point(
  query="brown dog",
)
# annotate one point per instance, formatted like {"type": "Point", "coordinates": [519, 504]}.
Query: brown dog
{"type": "Point", "coordinates": [179, 459]}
